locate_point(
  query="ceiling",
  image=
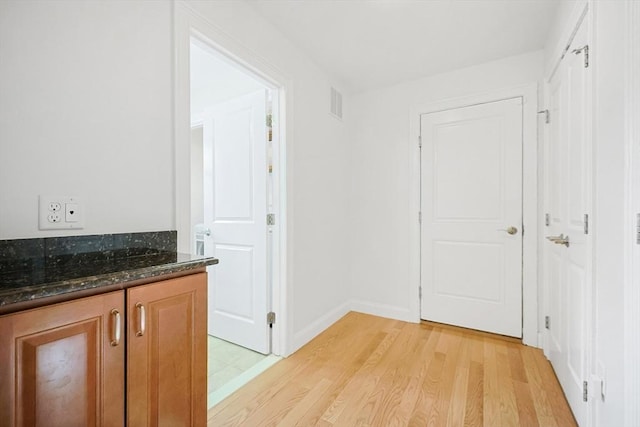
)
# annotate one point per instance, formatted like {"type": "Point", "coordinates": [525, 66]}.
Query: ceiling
{"type": "Point", "coordinates": [365, 44]}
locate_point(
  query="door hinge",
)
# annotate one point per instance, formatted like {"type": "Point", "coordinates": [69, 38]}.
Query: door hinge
{"type": "Point", "coordinates": [547, 322]}
{"type": "Point", "coordinates": [420, 292]}
{"type": "Point", "coordinates": [585, 391]}
{"type": "Point", "coordinates": [420, 217]}
{"type": "Point", "coordinates": [584, 49]}
{"type": "Point", "coordinates": [271, 318]}
{"type": "Point", "coordinates": [586, 223]}
{"type": "Point", "coordinates": [547, 115]}
{"type": "Point", "coordinates": [271, 219]}
{"type": "Point", "coordinates": [638, 229]}
{"type": "Point", "coordinates": [547, 219]}
{"type": "Point", "coordinates": [420, 141]}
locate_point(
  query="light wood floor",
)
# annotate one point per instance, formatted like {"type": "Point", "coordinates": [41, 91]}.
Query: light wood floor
{"type": "Point", "coordinates": [370, 371]}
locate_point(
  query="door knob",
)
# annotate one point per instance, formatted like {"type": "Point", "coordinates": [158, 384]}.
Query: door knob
{"type": "Point", "coordinates": [559, 240]}
{"type": "Point", "coordinates": [511, 230]}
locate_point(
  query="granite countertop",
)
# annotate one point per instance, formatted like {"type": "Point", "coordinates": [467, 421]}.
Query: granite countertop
{"type": "Point", "coordinates": [28, 275]}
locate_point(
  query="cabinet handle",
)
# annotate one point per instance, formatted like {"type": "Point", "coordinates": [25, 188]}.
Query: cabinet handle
{"type": "Point", "coordinates": [116, 327]}
{"type": "Point", "coordinates": [141, 318]}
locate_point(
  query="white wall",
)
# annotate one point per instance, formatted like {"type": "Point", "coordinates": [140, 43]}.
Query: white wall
{"type": "Point", "coordinates": [85, 110]}
{"type": "Point", "coordinates": [379, 205]}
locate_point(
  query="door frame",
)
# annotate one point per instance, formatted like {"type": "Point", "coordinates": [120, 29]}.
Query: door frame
{"type": "Point", "coordinates": [190, 23]}
{"type": "Point", "coordinates": [632, 208]}
{"type": "Point", "coordinates": [530, 209]}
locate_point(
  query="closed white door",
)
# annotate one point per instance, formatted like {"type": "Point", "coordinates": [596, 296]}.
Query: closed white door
{"type": "Point", "coordinates": [235, 202]}
{"type": "Point", "coordinates": [471, 231]}
{"type": "Point", "coordinates": [567, 201]}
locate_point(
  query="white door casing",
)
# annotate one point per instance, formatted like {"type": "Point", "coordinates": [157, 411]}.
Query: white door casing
{"type": "Point", "coordinates": [567, 269]}
{"type": "Point", "coordinates": [235, 188]}
{"type": "Point", "coordinates": [471, 192]}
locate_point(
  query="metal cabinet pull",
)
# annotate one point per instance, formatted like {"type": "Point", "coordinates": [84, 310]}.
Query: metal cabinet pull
{"type": "Point", "coordinates": [115, 315]}
{"type": "Point", "coordinates": [141, 319]}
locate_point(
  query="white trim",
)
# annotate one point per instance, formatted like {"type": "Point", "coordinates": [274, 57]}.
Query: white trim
{"type": "Point", "coordinates": [529, 94]}
{"type": "Point", "coordinates": [632, 208]}
{"type": "Point", "coordinates": [383, 310]}
{"type": "Point", "coordinates": [187, 23]}
{"type": "Point", "coordinates": [318, 326]}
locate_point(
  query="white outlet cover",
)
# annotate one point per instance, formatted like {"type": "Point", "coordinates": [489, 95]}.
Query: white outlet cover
{"type": "Point", "coordinates": [60, 212]}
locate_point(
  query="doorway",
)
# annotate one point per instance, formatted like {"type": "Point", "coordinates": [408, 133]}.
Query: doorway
{"type": "Point", "coordinates": [528, 94]}
{"type": "Point", "coordinates": [471, 221]}
{"type": "Point", "coordinates": [232, 193]}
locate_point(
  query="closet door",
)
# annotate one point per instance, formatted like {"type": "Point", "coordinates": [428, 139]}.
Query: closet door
{"type": "Point", "coordinates": [567, 248]}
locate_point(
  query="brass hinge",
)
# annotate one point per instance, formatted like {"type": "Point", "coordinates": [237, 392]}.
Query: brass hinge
{"type": "Point", "coordinates": [271, 318]}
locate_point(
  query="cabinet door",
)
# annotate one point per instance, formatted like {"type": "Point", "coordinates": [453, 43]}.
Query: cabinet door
{"type": "Point", "coordinates": [58, 366]}
{"type": "Point", "coordinates": [167, 353]}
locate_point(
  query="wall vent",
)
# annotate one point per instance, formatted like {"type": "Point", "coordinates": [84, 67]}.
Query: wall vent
{"type": "Point", "coordinates": [336, 103]}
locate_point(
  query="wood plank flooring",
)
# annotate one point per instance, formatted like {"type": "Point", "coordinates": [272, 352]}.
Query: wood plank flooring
{"type": "Point", "coordinates": [370, 371]}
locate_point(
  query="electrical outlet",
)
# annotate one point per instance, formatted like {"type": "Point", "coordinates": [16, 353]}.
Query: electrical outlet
{"type": "Point", "coordinates": [54, 217]}
{"type": "Point", "coordinates": [60, 212]}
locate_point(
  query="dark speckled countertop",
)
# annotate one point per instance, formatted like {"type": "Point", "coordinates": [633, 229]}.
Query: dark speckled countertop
{"type": "Point", "coordinates": [40, 269]}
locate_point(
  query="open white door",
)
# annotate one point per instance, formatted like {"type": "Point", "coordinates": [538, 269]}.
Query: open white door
{"type": "Point", "coordinates": [471, 237]}
{"type": "Point", "coordinates": [235, 188]}
{"type": "Point", "coordinates": [567, 201]}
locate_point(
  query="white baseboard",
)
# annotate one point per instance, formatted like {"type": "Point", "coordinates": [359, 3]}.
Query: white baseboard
{"type": "Point", "coordinates": [384, 310]}
{"type": "Point", "coordinates": [310, 332]}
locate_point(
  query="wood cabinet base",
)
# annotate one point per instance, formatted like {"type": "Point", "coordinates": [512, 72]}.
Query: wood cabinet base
{"type": "Point", "coordinates": [64, 364]}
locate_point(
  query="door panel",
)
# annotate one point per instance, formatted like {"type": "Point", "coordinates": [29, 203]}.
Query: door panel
{"type": "Point", "coordinates": [235, 170]}
{"type": "Point", "coordinates": [59, 367]}
{"type": "Point", "coordinates": [167, 353]}
{"type": "Point", "coordinates": [567, 199]}
{"type": "Point", "coordinates": [471, 191]}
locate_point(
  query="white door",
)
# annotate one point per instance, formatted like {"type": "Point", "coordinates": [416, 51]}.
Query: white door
{"type": "Point", "coordinates": [471, 236]}
{"type": "Point", "coordinates": [567, 201]}
{"type": "Point", "coordinates": [235, 189]}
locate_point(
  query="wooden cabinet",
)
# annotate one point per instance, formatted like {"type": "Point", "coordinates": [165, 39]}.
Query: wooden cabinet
{"type": "Point", "coordinates": [167, 357]}
{"type": "Point", "coordinates": [58, 367]}
{"type": "Point", "coordinates": [64, 364]}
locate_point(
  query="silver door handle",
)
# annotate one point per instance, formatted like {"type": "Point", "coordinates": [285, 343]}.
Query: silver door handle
{"type": "Point", "coordinates": [511, 230]}
{"type": "Point", "coordinates": [559, 240]}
